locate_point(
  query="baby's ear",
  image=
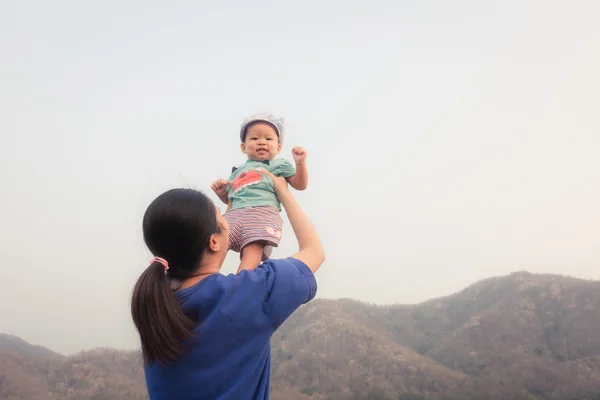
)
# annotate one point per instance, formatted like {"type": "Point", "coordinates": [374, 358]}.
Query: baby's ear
{"type": "Point", "coordinates": [243, 147]}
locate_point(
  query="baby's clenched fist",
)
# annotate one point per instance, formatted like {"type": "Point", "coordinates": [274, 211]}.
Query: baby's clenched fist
{"type": "Point", "coordinates": [299, 153]}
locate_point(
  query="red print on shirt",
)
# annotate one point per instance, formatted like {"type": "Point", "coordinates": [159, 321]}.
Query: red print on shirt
{"type": "Point", "coordinates": [246, 179]}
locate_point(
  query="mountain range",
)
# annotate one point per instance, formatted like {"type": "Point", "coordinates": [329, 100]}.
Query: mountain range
{"type": "Point", "coordinates": [518, 337]}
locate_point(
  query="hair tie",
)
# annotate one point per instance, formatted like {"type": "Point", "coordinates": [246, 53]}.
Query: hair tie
{"type": "Point", "coordinates": [162, 261]}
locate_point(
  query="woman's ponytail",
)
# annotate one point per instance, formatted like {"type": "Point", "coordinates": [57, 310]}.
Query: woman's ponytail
{"type": "Point", "coordinates": [158, 317]}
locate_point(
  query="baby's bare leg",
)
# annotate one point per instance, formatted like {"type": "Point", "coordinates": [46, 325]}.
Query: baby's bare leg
{"type": "Point", "coordinates": [251, 256]}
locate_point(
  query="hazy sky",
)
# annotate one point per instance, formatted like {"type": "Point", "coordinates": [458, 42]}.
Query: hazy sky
{"type": "Point", "coordinates": [448, 142]}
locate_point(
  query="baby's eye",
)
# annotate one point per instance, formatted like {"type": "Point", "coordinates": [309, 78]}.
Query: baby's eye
{"type": "Point", "coordinates": [269, 138]}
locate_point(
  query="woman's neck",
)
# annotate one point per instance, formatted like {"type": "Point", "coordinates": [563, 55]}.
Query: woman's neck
{"type": "Point", "coordinates": [203, 272]}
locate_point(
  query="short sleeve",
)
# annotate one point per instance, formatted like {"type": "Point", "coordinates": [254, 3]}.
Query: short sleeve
{"type": "Point", "coordinates": [289, 283]}
{"type": "Point", "coordinates": [234, 173]}
{"type": "Point", "coordinates": [283, 168]}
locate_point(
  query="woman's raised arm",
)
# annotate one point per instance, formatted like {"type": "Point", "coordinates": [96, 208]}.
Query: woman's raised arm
{"type": "Point", "coordinates": [310, 248]}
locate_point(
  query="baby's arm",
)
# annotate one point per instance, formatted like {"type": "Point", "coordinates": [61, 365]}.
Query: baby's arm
{"type": "Point", "coordinates": [300, 180]}
{"type": "Point", "coordinates": [225, 198]}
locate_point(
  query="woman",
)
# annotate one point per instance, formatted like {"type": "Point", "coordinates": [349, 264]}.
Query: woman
{"type": "Point", "coordinates": [205, 335]}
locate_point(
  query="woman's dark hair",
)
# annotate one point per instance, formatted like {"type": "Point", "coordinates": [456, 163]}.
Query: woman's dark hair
{"type": "Point", "coordinates": [177, 227]}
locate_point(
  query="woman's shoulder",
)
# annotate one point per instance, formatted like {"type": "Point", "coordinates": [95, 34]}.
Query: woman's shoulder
{"type": "Point", "coordinates": [288, 266]}
{"type": "Point", "coordinates": [289, 283]}
{"type": "Point", "coordinates": [269, 272]}
{"type": "Point", "coordinates": [276, 287]}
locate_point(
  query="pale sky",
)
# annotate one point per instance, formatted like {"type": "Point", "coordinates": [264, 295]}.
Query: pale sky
{"type": "Point", "coordinates": [447, 142]}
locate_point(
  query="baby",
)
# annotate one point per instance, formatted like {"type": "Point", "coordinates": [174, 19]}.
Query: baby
{"type": "Point", "coordinates": [253, 211]}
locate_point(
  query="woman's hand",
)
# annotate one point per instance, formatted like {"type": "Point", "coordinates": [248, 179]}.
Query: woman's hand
{"type": "Point", "coordinates": [280, 184]}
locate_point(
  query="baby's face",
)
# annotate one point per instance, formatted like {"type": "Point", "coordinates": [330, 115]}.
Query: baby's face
{"type": "Point", "coordinates": [261, 142]}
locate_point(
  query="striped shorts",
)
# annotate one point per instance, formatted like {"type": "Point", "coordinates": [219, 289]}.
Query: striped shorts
{"type": "Point", "coordinates": [252, 224]}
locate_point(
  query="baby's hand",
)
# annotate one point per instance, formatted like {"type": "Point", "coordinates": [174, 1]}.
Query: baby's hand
{"type": "Point", "coordinates": [299, 154]}
{"type": "Point", "coordinates": [219, 187]}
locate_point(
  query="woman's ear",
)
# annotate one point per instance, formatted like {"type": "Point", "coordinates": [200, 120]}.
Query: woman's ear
{"type": "Point", "coordinates": [213, 243]}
